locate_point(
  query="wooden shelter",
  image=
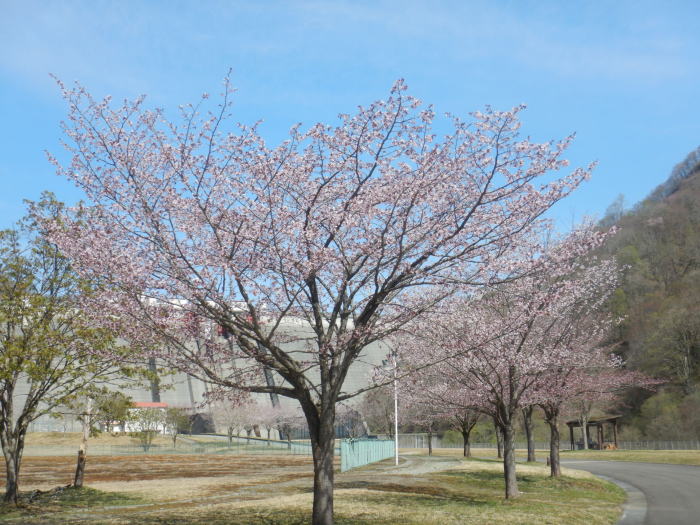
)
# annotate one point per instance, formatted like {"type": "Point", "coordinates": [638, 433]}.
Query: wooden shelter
{"type": "Point", "coordinates": [599, 424]}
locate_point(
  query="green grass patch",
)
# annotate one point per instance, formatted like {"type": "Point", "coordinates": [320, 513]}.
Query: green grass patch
{"type": "Point", "coordinates": [40, 504]}
{"type": "Point", "coordinates": [677, 457]}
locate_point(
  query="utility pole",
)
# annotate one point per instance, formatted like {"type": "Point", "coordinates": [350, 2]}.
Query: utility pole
{"type": "Point", "coordinates": [392, 361]}
{"type": "Point", "coordinates": [396, 409]}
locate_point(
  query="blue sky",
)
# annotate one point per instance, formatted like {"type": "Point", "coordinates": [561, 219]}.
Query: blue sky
{"type": "Point", "coordinates": [625, 76]}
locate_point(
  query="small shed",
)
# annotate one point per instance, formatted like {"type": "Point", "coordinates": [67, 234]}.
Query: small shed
{"type": "Point", "coordinates": [599, 424]}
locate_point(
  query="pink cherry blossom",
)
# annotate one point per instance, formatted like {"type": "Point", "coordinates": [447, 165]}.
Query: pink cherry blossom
{"type": "Point", "coordinates": [328, 242]}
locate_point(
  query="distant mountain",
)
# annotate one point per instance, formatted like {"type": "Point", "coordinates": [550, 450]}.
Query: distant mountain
{"type": "Point", "coordinates": [683, 170]}
{"type": "Point", "coordinates": [658, 245]}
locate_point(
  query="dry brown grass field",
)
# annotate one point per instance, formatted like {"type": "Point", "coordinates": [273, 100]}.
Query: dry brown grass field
{"type": "Point", "coordinates": [218, 489]}
{"type": "Point", "coordinates": [171, 476]}
{"type": "Point", "coordinates": [678, 457]}
{"type": "Point", "coordinates": [38, 439]}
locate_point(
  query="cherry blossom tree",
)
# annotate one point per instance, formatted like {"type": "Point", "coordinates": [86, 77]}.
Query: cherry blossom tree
{"type": "Point", "coordinates": [432, 399]}
{"type": "Point", "coordinates": [351, 421]}
{"type": "Point", "coordinates": [501, 344]}
{"type": "Point", "coordinates": [527, 426]}
{"type": "Point", "coordinates": [587, 368]}
{"type": "Point", "coordinates": [288, 419]}
{"type": "Point", "coordinates": [498, 433]}
{"type": "Point", "coordinates": [377, 407]}
{"type": "Point", "coordinates": [464, 421]}
{"type": "Point", "coordinates": [266, 416]}
{"type": "Point", "coordinates": [422, 415]}
{"type": "Point", "coordinates": [331, 241]}
{"type": "Point", "coordinates": [581, 366]}
{"type": "Point", "coordinates": [234, 415]}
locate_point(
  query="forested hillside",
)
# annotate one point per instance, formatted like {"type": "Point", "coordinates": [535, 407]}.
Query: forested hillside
{"type": "Point", "coordinates": [659, 244]}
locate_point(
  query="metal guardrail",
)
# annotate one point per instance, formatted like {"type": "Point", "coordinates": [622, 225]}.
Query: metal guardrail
{"type": "Point", "coordinates": [358, 452]}
{"type": "Point", "coordinates": [692, 444]}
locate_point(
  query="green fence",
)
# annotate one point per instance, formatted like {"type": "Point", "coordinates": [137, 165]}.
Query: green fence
{"type": "Point", "coordinates": [356, 453]}
{"type": "Point", "coordinates": [353, 453]}
{"type": "Point", "coordinates": [239, 445]}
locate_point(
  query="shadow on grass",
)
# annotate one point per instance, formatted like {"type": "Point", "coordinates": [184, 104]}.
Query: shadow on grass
{"type": "Point", "coordinates": [422, 494]}
{"type": "Point", "coordinates": [40, 504]}
{"type": "Point", "coordinates": [526, 482]}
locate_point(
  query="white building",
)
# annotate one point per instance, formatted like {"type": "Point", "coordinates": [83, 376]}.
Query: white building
{"type": "Point", "coordinates": [181, 390]}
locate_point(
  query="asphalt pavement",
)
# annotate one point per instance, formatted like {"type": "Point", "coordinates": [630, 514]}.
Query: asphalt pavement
{"type": "Point", "coordinates": [672, 492]}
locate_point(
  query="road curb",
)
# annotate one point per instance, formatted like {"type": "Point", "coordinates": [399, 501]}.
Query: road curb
{"type": "Point", "coordinates": [635, 509]}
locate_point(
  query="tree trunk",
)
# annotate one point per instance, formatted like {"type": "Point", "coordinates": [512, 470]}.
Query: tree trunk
{"type": "Point", "coordinates": [584, 432]}
{"type": "Point", "coordinates": [12, 481]}
{"type": "Point", "coordinates": [554, 439]}
{"type": "Point", "coordinates": [551, 414]}
{"type": "Point", "coordinates": [466, 422]}
{"type": "Point", "coordinates": [467, 448]}
{"type": "Point", "coordinates": [499, 441]}
{"type": "Point", "coordinates": [430, 443]}
{"type": "Point", "coordinates": [509, 461]}
{"type": "Point", "coordinates": [527, 420]}
{"type": "Point", "coordinates": [230, 436]}
{"type": "Point", "coordinates": [12, 448]}
{"type": "Point", "coordinates": [80, 468]}
{"type": "Point", "coordinates": [322, 433]}
{"type": "Point", "coordinates": [82, 451]}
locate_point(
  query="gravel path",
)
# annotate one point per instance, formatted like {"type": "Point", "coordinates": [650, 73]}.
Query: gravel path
{"type": "Point", "coordinates": [419, 465]}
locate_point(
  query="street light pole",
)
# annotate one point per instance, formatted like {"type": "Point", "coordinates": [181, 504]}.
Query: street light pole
{"type": "Point", "coordinates": [396, 410]}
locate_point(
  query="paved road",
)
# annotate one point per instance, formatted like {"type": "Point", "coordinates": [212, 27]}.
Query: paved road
{"type": "Point", "coordinates": [672, 491]}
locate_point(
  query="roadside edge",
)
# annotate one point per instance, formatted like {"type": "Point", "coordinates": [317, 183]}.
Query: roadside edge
{"type": "Point", "coordinates": [635, 509]}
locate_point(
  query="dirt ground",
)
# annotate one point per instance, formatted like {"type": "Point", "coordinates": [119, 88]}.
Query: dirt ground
{"type": "Point", "coordinates": [37, 439]}
{"type": "Point", "coordinates": [129, 473]}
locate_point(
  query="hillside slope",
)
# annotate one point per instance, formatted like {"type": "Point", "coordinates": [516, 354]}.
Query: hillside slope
{"type": "Point", "coordinates": [659, 244]}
